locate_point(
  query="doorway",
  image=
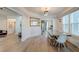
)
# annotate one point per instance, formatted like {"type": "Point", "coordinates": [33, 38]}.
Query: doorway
{"type": "Point", "coordinates": [43, 27]}
{"type": "Point", "coordinates": [11, 26]}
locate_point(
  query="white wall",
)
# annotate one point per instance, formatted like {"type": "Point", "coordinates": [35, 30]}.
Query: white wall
{"type": "Point", "coordinates": [3, 22]}
{"type": "Point", "coordinates": [59, 25]}
{"type": "Point", "coordinates": [25, 31]}
{"type": "Point", "coordinates": [28, 31]}
{"type": "Point", "coordinates": [18, 24]}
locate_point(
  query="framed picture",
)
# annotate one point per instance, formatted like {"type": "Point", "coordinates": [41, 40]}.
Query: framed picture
{"type": "Point", "coordinates": [35, 21]}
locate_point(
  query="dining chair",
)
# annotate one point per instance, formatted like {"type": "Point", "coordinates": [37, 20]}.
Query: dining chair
{"type": "Point", "coordinates": [60, 42]}
{"type": "Point", "coordinates": [51, 38]}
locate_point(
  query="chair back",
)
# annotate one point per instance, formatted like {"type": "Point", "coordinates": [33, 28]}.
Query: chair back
{"type": "Point", "coordinates": [62, 38]}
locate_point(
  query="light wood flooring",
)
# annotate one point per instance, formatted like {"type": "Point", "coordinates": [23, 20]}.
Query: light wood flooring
{"type": "Point", "coordinates": [40, 44]}
{"type": "Point", "coordinates": [12, 43]}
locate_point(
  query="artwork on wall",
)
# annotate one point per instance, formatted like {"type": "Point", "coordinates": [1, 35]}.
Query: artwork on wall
{"type": "Point", "coordinates": [35, 21]}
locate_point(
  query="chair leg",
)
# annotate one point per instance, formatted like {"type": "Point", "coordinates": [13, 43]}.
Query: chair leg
{"type": "Point", "coordinates": [56, 44]}
{"type": "Point", "coordinates": [53, 43]}
{"type": "Point", "coordinates": [50, 43]}
{"type": "Point", "coordinates": [65, 45]}
{"type": "Point", "coordinates": [59, 48]}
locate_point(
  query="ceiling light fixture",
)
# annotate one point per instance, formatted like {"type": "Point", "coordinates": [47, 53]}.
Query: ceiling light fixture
{"type": "Point", "coordinates": [46, 11]}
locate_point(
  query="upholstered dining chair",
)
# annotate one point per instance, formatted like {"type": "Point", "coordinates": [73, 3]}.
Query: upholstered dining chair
{"type": "Point", "coordinates": [51, 38]}
{"type": "Point", "coordinates": [60, 42]}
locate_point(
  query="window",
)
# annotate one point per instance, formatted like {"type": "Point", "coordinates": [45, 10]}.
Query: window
{"type": "Point", "coordinates": [74, 21]}
{"type": "Point", "coordinates": [66, 23]}
{"type": "Point", "coordinates": [71, 23]}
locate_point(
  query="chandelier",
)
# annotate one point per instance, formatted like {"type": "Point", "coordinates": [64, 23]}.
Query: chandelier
{"type": "Point", "coordinates": [45, 10]}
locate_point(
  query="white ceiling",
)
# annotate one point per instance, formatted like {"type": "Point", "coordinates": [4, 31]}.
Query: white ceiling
{"type": "Point", "coordinates": [52, 10]}
{"type": "Point", "coordinates": [7, 12]}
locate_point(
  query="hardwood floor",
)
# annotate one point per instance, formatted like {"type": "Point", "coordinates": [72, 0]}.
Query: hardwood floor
{"type": "Point", "coordinates": [12, 43]}
{"type": "Point", "coordinates": [72, 47]}
{"type": "Point", "coordinates": [40, 44]}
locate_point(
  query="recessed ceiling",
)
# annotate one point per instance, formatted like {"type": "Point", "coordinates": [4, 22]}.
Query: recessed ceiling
{"type": "Point", "coordinates": [52, 10]}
